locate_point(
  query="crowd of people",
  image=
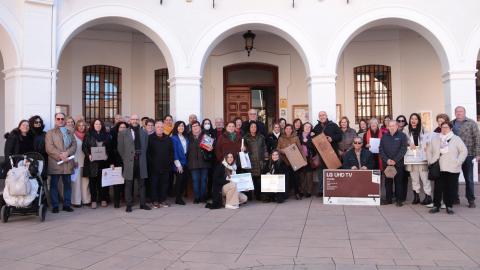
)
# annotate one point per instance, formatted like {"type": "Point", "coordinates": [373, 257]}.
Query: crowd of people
{"type": "Point", "coordinates": [162, 156]}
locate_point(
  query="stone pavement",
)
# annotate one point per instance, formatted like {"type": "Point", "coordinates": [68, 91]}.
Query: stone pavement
{"type": "Point", "coordinates": [295, 235]}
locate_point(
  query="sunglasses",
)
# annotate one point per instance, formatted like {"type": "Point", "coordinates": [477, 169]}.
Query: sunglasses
{"type": "Point", "coordinates": [402, 121]}
{"type": "Point", "coordinates": [60, 119]}
{"type": "Point", "coordinates": [357, 142]}
{"type": "Point", "coordinates": [37, 122]}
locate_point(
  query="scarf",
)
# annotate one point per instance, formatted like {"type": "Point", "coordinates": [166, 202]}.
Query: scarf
{"type": "Point", "coordinates": [80, 135]}
{"type": "Point", "coordinates": [277, 134]}
{"type": "Point", "coordinates": [232, 136]}
{"type": "Point", "coordinates": [66, 138]}
{"type": "Point", "coordinates": [444, 140]}
{"type": "Point", "coordinates": [229, 169]}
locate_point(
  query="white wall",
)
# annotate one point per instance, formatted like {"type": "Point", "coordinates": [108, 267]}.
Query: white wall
{"type": "Point", "coordinates": [2, 105]}
{"type": "Point", "coordinates": [415, 67]}
{"type": "Point", "coordinates": [134, 53]}
{"type": "Point", "coordinates": [269, 49]}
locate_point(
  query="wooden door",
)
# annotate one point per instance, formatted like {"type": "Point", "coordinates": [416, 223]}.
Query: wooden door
{"type": "Point", "coordinates": [237, 103]}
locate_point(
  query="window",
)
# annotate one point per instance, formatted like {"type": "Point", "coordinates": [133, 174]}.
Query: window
{"type": "Point", "coordinates": [162, 93]}
{"type": "Point", "coordinates": [373, 92]}
{"type": "Point", "coordinates": [101, 92]}
{"type": "Point", "coordinates": [477, 83]}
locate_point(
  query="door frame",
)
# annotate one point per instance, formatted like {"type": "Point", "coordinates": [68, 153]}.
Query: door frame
{"type": "Point", "coordinates": [251, 65]}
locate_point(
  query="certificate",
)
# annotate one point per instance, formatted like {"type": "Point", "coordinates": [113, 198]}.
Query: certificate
{"type": "Point", "coordinates": [374, 145]}
{"type": "Point", "coordinates": [415, 156]}
{"type": "Point", "coordinates": [112, 177]}
{"type": "Point", "coordinates": [98, 153]}
{"type": "Point", "coordinates": [243, 180]}
{"type": "Point", "coordinates": [273, 182]}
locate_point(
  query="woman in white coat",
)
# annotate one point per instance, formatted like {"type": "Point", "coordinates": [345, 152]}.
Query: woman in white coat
{"type": "Point", "coordinates": [451, 152]}
{"type": "Point", "coordinates": [417, 145]}
{"type": "Point", "coordinates": [80, 191]}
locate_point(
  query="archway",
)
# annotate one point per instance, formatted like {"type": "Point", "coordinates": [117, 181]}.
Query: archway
{"type": "Point", "coordinates": [110, 68]}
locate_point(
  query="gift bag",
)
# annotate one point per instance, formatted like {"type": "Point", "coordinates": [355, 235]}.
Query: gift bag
{"type": "Point", "coordinates": [244, 159]}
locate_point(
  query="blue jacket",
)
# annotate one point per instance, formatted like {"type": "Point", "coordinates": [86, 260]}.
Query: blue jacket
{"type": "Point", "coordinates": [178, 153]}
{"type": "Point", "coordinates": [393, 147]}
{"type": "Point", "coordinates": [350, 159]}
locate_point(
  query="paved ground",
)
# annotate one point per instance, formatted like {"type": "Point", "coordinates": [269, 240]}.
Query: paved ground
{"type": "Point", "coordinates": [295, 235]}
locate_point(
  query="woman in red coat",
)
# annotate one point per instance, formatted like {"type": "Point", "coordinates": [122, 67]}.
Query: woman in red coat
{"type": "Point", "coordinates": [229, 142]}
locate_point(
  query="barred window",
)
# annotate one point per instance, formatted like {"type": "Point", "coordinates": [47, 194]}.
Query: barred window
{"type": "Point", "coordinates": [477, 83]}
{"type": "Point", "coordinates": [373, 92]}
{"type": "Point", "coordinates": [162, 93]}
{"type": "Point", "coordinates": [101, 92]}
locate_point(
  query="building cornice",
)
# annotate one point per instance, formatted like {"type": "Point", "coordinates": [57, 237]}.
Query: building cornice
{"type": "Point", "coordinates": [40, 2]}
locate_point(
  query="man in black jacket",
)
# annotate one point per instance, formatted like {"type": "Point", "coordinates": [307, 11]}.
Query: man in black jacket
{"type": "Point", "coordinates": [160, 157]}
{"type": "Point", "coordinates": [253, 117]}
{"type": "Point", "coordinates": [393, 147]}
{"type": "Point", "coordinates": [334, 136]}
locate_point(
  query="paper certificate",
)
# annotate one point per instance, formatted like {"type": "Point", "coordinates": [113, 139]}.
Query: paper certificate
{"type": "Point", "coordinates": [273, 182]}
{"type": "Point", "coordinates": [244, 181]}
{"type": "Point", "coordinates": [112, 177]}
{"type": "Point", "coordinates": [374, 145]}
{"type": "Point", "coordinates": [98, 153]}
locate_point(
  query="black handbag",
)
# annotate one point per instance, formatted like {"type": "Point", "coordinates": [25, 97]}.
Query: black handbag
{"type": "Point", "coordinates": [434, 171]}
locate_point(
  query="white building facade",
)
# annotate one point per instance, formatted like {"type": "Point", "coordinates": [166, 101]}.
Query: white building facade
{"type": "Point", "coordinates": [355, 58]}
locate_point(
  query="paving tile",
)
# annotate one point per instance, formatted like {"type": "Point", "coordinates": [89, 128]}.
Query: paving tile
{"type": "Point", "coordinates": [81, 260]}
{"type": "Point", "coordinates": [116, 262]}
{"type": "Point", "coordinates": [209, 257]}
{"type": "Point", "coordinates": [325, 252]}
{"type": "Point", "coordinates": [51, 255]}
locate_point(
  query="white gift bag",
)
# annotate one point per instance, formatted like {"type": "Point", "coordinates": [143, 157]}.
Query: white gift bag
{"type": "Point", "coordinates": [244, 159]}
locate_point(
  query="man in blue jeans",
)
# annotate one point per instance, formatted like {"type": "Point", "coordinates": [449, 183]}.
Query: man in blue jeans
{"type": "Point", "coordinates": [60, 145]}
{"type": "Point", "coordinates": [467, 130]}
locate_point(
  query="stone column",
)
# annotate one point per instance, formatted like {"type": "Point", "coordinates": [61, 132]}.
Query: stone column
{"type": "Point", "coordinates": [185, 97]}
{"type": "Point", "coordinates": [322, 96]}
{"type": "Point", "coordinates": [459, 90]}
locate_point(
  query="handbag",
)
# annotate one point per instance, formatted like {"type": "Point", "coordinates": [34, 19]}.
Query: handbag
{"type": "Point", "coordinates": [315, 162]}
{"type": "Point", "coordinates": [244, 159]}
{"type": "Point", "coordinates": [434, 171]}
{"type": "Point", "coordinates": [390, 171]}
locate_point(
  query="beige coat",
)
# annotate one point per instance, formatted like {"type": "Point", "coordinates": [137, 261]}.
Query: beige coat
{"type": "Point", "coordinates": [451, 161]}
{"type": "Point", "coordinates": [54, 146]}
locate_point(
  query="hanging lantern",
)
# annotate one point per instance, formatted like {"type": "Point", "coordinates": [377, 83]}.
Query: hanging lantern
{"type": "Point", "coordinates": [249, 37]}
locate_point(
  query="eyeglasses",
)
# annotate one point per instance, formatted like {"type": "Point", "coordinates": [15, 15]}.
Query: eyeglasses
{"type": "Point", "coordinates": [357, 142]}
{"type": "Point", "coordinates": [37, 122]}
{"type": "Point", "coordinates": [401, 121]}
{"type": "Point", "coordinates": [60, 119]}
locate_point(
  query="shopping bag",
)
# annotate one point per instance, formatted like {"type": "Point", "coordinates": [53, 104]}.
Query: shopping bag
{"type": "Point", "coordinates": [244, 159]}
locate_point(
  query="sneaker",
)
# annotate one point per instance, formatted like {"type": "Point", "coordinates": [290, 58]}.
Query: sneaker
{"type": "Point", "coordinates": [145, 207]}
{"type": "Point", "coordinates": [471, 204]}
{"type": "Point", "coordinates": [67, 209]}
{"type": "Point", "coordinates": [430, 205]}
{"type": "Point", "coordinates": [228, 206]}
{"type": "Point", "coordinates": [443, 206]}
{"type": "Point", "coordinates": [164, 204]}
{"type": "Point", "coordinates": [128, 209]}
{"type": "Point", "coordinates": [55, 210]}
{"type": "Point", "coordinates": [156, 205]}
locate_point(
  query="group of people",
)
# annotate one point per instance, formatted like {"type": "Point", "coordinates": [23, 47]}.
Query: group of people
{"type": "Point", "coordinates": [162, 155]}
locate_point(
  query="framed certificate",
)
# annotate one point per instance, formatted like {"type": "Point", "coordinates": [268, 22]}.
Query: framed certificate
{"type": "Point", "coordinates": [273, 182]}
{"type": "Point", "coordinates": [243, 180]}
{"type": "Point", "coordinates": [112, 177]}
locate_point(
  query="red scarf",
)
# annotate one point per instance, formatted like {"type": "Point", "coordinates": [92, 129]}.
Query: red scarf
{"type": "Point", "coordinates": [368, 135]}
{"type": "Point", "coordinates": [80, 135]}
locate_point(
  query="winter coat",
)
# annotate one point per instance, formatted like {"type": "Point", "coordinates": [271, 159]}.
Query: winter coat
{"type": "Point", "coordinates": [160, 154]}
{"type": "Point", "coordinates": [257, 151]}
{"type": "Point", "coordinates": [17, 144]}
{"type": "Point", "coordinates": [394, 148]}
{"type": "Point", "coordinates": [350, 159]}
{"type": "Point", "coordinates": [54, 146]}
{"type": "Point", "coordinates": [225, 145]}
{"type": "Point", "coordinates": [272, 142]}
{"type": "Point", "coordinates": [126, 149]}
{"type": "Point", "coordinates": [330, 129]}
{"type": "Point", "coordinates": [451, 161]}
{"type": "Point", "coordinates": [92, 168]}
{"type": "Point", "coordinates": [197, 157]}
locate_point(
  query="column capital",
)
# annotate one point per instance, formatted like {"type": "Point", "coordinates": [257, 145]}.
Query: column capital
{"type": "Point", "coordinates": [185, 80]}
{"type": "Point", "coordinates": [321, 79]}
{"type": "Point", "coordinates": [40, 2]}
{"type": "Point", "coordinates": [459, 75]}
{"type": "Point", "coordinates": [31, 72]}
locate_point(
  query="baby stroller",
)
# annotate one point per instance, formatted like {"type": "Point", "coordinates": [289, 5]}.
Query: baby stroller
{"type": "Point", "coordinates": [24, 192]}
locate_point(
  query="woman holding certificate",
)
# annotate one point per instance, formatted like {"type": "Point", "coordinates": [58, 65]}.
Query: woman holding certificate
{"type": "Point", "coordinates": [416, 159]}
{"type": "Point", "coordinates": [371, 141]}
{"type": "Point", "coordinates": [276, 166]}
{"type": "Point", "coordinates": [97, 147]}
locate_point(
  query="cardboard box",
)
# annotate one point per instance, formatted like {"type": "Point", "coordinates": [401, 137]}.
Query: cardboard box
{"type": "Point", "coordinates": [326, 151]}
{"type": "Point", "coordinates": [294, 156]}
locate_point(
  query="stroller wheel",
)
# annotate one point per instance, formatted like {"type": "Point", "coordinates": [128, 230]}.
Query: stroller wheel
{"type": "Point", "coordinates": [42, 212]}
{"type": "Point", "coordinates": [5, 213]}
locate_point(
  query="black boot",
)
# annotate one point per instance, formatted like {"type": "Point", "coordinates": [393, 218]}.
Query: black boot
{"type": "Point", "coordinates": [427, 200]}
{"type": "Point", "coordinates": [416, 198]}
